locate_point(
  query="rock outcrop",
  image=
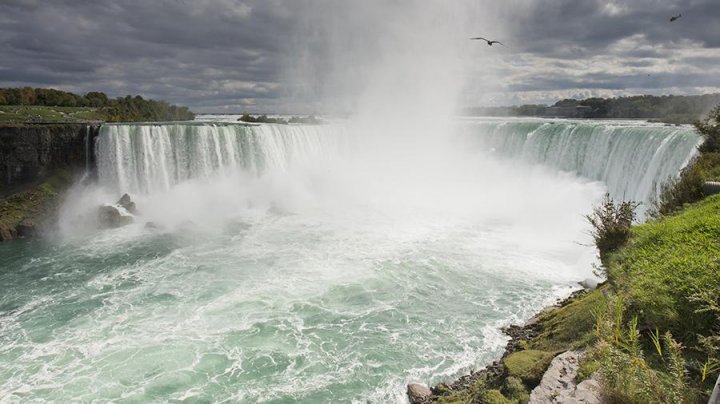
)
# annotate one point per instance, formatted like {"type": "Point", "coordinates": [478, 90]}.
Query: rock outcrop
{"type": "Point", "coordinates": [128, 204]}
{"type": "Point", "coordinates": [31, 153]}
{"type": "Point", "coordinates": [558, 383]}
{"type": "Point", "coordinates": [117, 215]}
{"type": "Point", "coordinates": [418, 394]}
{"type": "Point", "coordinates": [113, 216]}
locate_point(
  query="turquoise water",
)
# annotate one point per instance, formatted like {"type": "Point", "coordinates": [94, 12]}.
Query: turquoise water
{"type": "Point", "coordinates": [318, 275]}
{"type": "Point", "coordinates": [256, 313]}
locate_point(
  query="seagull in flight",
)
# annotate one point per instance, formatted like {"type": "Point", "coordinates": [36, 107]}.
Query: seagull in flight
{"type": "Point", "coordinates": [675, 17]}
{"type": "Point", "coordinates": [489, 42]}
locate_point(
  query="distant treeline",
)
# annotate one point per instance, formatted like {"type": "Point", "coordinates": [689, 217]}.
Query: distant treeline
{"type": "Point", "coordinates": [121, 109]}
{"type": "Point", "coordinates": [308, 120]}
{"type": "Point", "coordinates": [667, 108]}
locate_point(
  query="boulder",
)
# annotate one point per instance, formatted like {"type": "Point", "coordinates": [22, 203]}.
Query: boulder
{"type": "Point", "coordinates": [127, 203]}
{"type": "Point", "coordinates": [558, 383]}
{"type": "Point", "coordinates": [27, 229]}
{"type": "Point", "coordinates": [589, 284]}
{"type": "Point", "coordinates": [7, 233]}
{"type": "Point", "coordinates": [418, 393]}
{"type": "Point", "coordinates": [153, 226]}
{"type": "Point", "coordinates": [113, 216]}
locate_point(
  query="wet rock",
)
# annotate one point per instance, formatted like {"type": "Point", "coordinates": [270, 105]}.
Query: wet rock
{"type": "Point", "coordinates": [153, 226]}
{"type": "Point", "coordinates": [113, 216]}
{"type": "Point", "coordinates": [7, 233]}
{"type": "Point", "coordinates": [127, 203]}
{"type": "Point", "coordinates": [589, 284]}
{"type": "Point", "coordinates": [27, 229]}
{"type": "Point", "coordinates": [417, 393]}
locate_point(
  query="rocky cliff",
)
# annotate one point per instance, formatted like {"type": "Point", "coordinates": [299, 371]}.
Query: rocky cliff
{"type": "Point", "coordinates": [31, 153]}
{"type": "Point", "coordinates": [37, 162]}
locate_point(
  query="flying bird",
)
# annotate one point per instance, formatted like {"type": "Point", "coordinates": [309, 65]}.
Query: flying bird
{"type": "Point", "coordinates": [675, 17]}
{"type": "Point", "coordinates": [489, 42]}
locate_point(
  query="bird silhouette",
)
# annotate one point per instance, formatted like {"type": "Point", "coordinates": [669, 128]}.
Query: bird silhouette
{"type": "Point", "coordinates": [489, 42]}
{"type": "Point", "coordinates": [675, 17]}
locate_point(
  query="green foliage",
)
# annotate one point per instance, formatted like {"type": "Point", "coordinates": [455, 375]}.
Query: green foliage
{"type": "Point", "coordinates": [676, 193]}
{"type": "Point", "coordinates": [627, 376]}
{"type": "Point", "coordinates": [670, 108]}
{"type": "Point", "coordinates": [515, 390]}
{"type": "Point", "coordinates": [33, 203]}
{"type": "Point", "coordinates": [611, 224]}
{"type": "Point", "coordinates": [710, 129]}
{"type": "Point", "coordinates": [121, 109]}
{"type": "Point", "coordinates": [569, 327]}
{"type": "Point", "coordinates": [688, 187]}
{"type": "Point", "coordinates": [666, 262]}
{"type": "Point", "coordinates": [25, 114]}
{"type": "Point", "coordinates": [308, 120]}
{"type": "Point", "coordinates": [588, 366]}
{"type": "Point", "coordinates": [529, 365]}
{"type": "Point", "coordinates": [495, 397]}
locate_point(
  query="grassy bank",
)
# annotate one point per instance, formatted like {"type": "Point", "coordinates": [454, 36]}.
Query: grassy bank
{"type": "Point", "coordinates": [652, 332]}
{"type": "Point", "coordinates": [12, 114]}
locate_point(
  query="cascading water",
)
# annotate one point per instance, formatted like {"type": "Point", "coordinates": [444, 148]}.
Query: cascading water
{"type": "Point", "coordinates": [150, 158]}
{"type": "Point", "coordinates": [303, 263]}
{"type": "Point", "coordinates": [633, 159]}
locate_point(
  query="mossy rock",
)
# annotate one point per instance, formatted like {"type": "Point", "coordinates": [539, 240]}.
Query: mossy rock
{"type": "Point", "coordinates": [529, 365]}
{"type": "Point", "coordinates": [495, 397]}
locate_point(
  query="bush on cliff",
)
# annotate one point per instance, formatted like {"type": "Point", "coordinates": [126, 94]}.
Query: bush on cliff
{"type": "Point", "coordinates": [688, 186]}
{"type": "Point", "coordinates": [611, 224]}
{"type": "Point", "coordinates": [667, 278]}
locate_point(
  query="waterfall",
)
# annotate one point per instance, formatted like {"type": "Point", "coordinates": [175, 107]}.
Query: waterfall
{"type": "Point", "coordinates": [148, 157]}
{"type": "Point", "coordinates": [631, 158]}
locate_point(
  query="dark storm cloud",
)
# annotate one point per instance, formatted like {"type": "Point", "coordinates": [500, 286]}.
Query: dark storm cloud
{"type": "Point", "coordinates": [233, 54]}
{"type": "Point", "coordinates": [191, 52]}
{"type": "Point", "coordinates": [616, 47]}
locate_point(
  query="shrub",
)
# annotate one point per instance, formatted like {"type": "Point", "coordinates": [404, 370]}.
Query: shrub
{"type": "Point", "coordinates": [710, 129]}
{"type": "Point", "coordinates": [627, 376]}
{"type": "Point", "coordinates": [515, 390]}
{"type": "Point", "coordinates": [611, 224]}
{"type": "Point", "coordinates": [676, 193]}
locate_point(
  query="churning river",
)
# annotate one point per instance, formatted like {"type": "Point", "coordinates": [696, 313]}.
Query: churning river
{"type": "Point", "coordinates": [316, 264]}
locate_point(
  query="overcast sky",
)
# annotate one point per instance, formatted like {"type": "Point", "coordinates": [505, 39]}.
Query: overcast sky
{"type": "Point", "coordinates": [275, 55]}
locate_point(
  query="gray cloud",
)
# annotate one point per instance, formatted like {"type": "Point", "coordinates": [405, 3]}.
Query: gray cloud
{"type": "Point", "coordinates": [275, 55]}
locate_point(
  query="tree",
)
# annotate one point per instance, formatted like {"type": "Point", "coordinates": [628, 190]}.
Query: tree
{"type": "Point", "coordinates": [710, 130]}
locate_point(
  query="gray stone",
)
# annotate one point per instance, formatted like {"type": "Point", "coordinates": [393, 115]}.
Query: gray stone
{"type": "Point", "coordinates": [127, 203]}
{"type": "Point", "coordinates": [558, 383]}
{"type": "Point", "coordinates": [589, 284]}
{"type": "Point", "coordinates": [112, 216]}
{"type": "Point", "coordinates": [418, 393]}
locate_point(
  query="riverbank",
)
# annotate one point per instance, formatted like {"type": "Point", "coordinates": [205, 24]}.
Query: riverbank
{"type": "Point", "coordinates": [650, 334]}
{"type": "Point", "coordinates": [532, 346]}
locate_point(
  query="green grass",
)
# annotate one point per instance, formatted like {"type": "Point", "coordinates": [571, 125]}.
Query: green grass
{"type": "Point", "coordinates": [24, 114]}
{"type": "Point", "coordinates": [666, 263]}
{"type": "Point", "coordinates": [529, 366]}
{"type": "Point", "coordinates": [708, 166]}
{"type": "Point", "coordinates": [656, 278]}
{"type": "Point", "coordinates": [569, 327]}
